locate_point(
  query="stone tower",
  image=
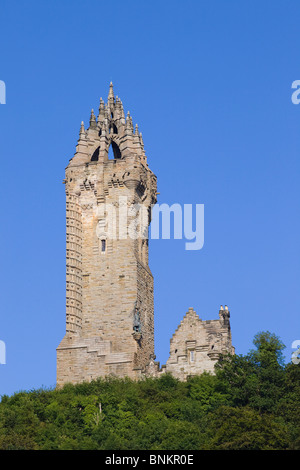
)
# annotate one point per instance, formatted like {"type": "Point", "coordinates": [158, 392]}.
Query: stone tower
{"type": "Point", "coordinates": [109, 286]}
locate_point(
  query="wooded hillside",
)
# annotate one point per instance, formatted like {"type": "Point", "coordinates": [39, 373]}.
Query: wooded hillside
{"type": "Point", "coordinates": [253, 402]}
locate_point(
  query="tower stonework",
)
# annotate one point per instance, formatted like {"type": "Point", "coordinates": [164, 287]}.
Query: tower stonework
{"type": "Point", "coordinates": [110, 191]}
{"type": "Point", "coordinates": [109, 285]}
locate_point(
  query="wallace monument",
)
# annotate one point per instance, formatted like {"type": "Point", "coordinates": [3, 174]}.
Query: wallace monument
{"type": "Point", "coordinates": [109, 285]}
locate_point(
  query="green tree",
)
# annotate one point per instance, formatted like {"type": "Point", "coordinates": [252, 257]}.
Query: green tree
{"type": "Point", "coordinates": [288, 407]}
{"type": "Point", "coordinates": [244, 429]}
{"type": "Point", "coordinates": [269, 365]}
{"type": "Point", "coordinates": [237, 379]}
{"type": "Point", "coordinates": [255, 379]}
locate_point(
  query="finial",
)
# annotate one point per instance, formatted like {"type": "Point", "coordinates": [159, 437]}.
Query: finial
{"type": "Point", "coordinates": [129, 125]}
{"type": "Point", "coordinates": [221, 307]}
{"type": "Point", "coordinates": [136, 129]}
{"type": "Point", "coordinates": [141, 140]}
{"type": "Point", "coordinates": [226, 308]}
{"type": "Point", "coordinates": [82, 130]}
{"type": "Point", "coordinates": [101, 110]}
{"type": "Point", "coordinates": [104, 127]}
{"type": "Point", "coordinates": [92, 120]}
{"type": "Point", "coordinates": [111, 92]}
{"type": "Point", "coordinates": [121, 109]}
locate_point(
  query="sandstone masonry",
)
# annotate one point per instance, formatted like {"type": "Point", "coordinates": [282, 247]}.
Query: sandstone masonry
{"type": "Point", "coordinates": [109, 285]}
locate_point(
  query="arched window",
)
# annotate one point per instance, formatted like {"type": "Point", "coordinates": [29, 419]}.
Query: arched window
{"type": "Point", "coordinates": [114, 151]}
{"type": "Point", "coordinates": [95, 155]}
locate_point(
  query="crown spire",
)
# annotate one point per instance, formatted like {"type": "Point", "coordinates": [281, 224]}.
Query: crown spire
{"type": "Point", "coordinates": [111, 93]}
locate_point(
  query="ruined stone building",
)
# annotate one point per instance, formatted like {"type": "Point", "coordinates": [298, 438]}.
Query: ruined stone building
{"type": "Point", "coordinates": [109, 285]}
{"type": "Point", "coordinates": [197, 344]}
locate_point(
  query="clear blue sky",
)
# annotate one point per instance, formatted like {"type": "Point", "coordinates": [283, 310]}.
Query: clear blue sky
{"type": "Point", "coordinates": [209, 83]}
